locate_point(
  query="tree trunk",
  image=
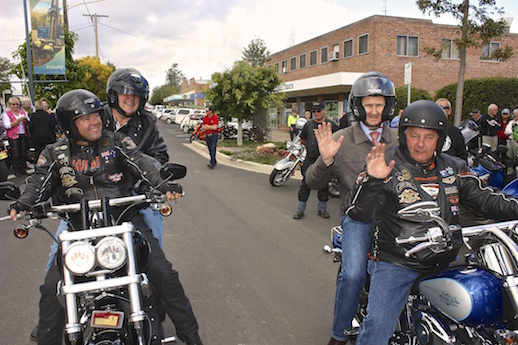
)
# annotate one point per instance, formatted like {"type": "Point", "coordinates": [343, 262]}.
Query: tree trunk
{"type": "Point", "coordinates": [459, 97]}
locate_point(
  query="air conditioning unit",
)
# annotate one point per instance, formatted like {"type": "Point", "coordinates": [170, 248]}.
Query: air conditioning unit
{"type": "Point", "coordinates": [334, 56]}
{"type": "Point", "coordinates": [285, 70]}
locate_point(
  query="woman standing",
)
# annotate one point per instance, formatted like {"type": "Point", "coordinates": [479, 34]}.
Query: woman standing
{"type": "Point", "coordinates": [42, 126]}
{"type": "Point", "coordinates": [15, 123]}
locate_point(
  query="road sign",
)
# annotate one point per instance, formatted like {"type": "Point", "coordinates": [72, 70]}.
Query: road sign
{"type": "Point", "coordinates": [408, 73]}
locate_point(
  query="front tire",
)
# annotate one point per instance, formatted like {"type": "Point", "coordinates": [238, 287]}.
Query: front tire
{"type": "Point", "coordinates": [277, 177]}
{"type": "Point", "coordinates": [168, 121]}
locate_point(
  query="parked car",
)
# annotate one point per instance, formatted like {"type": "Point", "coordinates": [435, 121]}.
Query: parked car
{"type": "Point", "coordinates": [167, 115]}
{"type": "Point", "coordinates": [181, 113]}
{"type": "Point", "coordinates": [188, 122]}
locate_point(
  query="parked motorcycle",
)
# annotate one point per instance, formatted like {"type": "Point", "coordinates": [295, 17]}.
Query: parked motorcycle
{"type": "Point", "coordinates": [474, 301]}
{"type": "Point", "coordinates": [230, 132]}
{"type": "Point", "coordinates": [283, 169]}
{"type": "Point", "coordinates": [107, 297]}
{"type": "Point", "coordinates": [199, 134]}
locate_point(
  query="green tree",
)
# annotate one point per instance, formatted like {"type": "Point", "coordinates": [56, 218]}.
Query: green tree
{"type": "Point", "coordinates": [174, 76]}
{"type": "Point", "coordinates": [256, 52]}
{"type": "Point", "coordinates": [5, 71]}
{"type": "Point", "coordinates": [160, 92]}
{"type": "Point", "coordinates": [96, 75]}
{"type": "Point", "coordinates": [74, 79]}
{"type": "Point", "coordinates": [415, 95]}
{"type": "Point", "coordinates": [477, 28]}
{"type": "Point", "coordinates": [244, 91]}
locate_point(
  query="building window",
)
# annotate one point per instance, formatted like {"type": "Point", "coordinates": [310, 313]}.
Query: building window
{"type": "Point", "coordinates": [363, 44]}
{"type": "Point", "coordinates": [348, 48]}
{"type": "Point", "coordinates": [313, 58]}
{"type": "Point", "coordinates": [302, 60]}
{"type": "Point", "coordinates": [276, 67]}
{"type": "Point", "coordinates": [489, 49]}
{"type": "Point", "coordinates": [284, 66]}
{"type": "Point", "coordinates": [293, 63]}
{"type": "Point", "coordinates": [407, 45]}
{"type": "Point", "coordinates": [449, 49]}
{"type": "Point", "coordinates": [324, 54]}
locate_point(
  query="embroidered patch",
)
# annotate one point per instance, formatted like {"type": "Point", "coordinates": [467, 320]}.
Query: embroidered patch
{"type": "Point", "coordinates": [451, 190]}
{"type": "Point", "coordinates": [449, 180]}
{"type": "Point", "coordinates": [403, 185]}
{"type": "Point", "coordinates": [41, 160]}
{"type": "Point", "coordinates": [406, 174]}
{"type": "Point", "coordinates": [115, 177]}
{"type": "Point", "coordinates": [409, 196]}
{"type": "Point", "coordinates": [67, 175]}
{"type": "Point", "coordinates": [107, 155]}
{"type": "Point", "coordinates": [455, 210]}
{"type": "Point", "coordinates": [431, 189]}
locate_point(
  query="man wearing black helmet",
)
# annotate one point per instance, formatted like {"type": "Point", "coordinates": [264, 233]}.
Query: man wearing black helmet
{"type": "Point", "coordinates": [372, 100]}
{"type": "Point", "coordinates": [414, 171]}
{"type": "Point", "coordinates": [127, 92]}
{"type": "Point", "coordinates": [88, 163]}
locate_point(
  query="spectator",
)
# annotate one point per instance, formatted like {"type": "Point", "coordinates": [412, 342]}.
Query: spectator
{"type": "Point", "coordinates": [308, 115]}
{"type": "Point", "coordinates": [42, 126]}
{"type": "Point", "coordinates": [15, 122]}
{"type": "Point", "coordinates": [307, 138]}
{"type": "Point", "coordinates": [292, 119]}
{"type": "Point", "coordinates": [504, 121]}
{"type": "Point", "coordinates": [395, 121]}
{"type": "Point", "coordinates": [454, 142]}
{"type": "Point", "coordinates": [511, 131]}
{"type": "Point", "coordinates": [344, 121]}
{"type": "Point", "coordinates": [489, 126]}
{"type": "Point", "coordinates": [210, 126]}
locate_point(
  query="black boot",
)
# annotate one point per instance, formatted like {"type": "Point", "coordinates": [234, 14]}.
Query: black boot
{"type": "Point", "coordinates": [34, 334]}
{"type": "Point", "coordinates": [193, 339]}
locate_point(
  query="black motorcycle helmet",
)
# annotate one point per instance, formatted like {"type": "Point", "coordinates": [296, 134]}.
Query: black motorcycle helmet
{"type": "Point", "coordinates": [127, 81]}
{"type": "Point", "coordinates": [72, 105]}
{"type": "Point", "coordinates": [423, 114]}
{"type": "Point", "coordinates": [372, 84]}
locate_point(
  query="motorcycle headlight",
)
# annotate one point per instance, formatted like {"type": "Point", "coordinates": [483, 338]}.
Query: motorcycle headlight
{"type": "Point", "coordinates": [289, 145]}
{"type": "Point", "coordinates": [80, 257]}
{"type": "Point", "coordinates": [111, 253]}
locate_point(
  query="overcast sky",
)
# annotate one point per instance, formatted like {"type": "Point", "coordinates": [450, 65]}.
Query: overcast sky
{"type": "Point", "coordinates": [203, 36]}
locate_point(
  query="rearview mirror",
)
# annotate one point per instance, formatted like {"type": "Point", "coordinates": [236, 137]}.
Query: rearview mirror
{"type": "Point", "coordinates": [173, 171]}
{"type": "Point", "coordinates": [9, 191]}
{"type": "Point", "coordinates": [420, 212]}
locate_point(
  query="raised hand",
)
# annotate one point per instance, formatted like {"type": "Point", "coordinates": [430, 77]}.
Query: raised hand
{"type": "Point", "coordinates": [327, 146]}
{"type": "Point", "coordinates": [376, 165]}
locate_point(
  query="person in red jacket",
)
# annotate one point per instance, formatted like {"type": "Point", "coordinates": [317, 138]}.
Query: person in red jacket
{"type": "Point", "coordinates": [210, 126]}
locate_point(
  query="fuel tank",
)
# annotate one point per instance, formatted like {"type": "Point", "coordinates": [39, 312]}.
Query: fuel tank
{"type": "Point", "coordinates": [470, 295]}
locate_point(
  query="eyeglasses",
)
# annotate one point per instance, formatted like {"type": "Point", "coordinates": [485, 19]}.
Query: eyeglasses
{"type": "Point", "coordinates": [445, 107]}
{"type": "Point", "coordinates": [316, 111]}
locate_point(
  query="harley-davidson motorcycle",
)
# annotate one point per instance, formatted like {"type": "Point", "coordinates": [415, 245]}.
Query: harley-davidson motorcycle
{"type": "Point", "coordinates": [107, 297]}
{"type": "Point", "coordinates": [283, 169]}
{"type": "Point", "coordinates": [474, 301]}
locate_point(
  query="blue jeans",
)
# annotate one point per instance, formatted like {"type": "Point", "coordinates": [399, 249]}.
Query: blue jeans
{"type": "Point", "coordinates": [351, 278]}
{"type": "Point", "coordinates": [389, 288]}
{"type": "Point", "coordinates": [152, 218]}
{"type": "Point", "coordinates": [212, 143]}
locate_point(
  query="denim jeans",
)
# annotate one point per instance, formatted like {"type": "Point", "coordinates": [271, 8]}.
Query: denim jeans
{"type": "Point", "coordinates": [389, 288]}
{"type": "Point", "coordinates": [351, 278]}
{"type": "Point", "coordinates": [152, 218]}
{"type": "Point", "coordinates": [212, 143]}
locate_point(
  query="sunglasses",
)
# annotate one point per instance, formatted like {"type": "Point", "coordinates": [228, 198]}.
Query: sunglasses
{"type": "Point", "coordinates": [445, 107]}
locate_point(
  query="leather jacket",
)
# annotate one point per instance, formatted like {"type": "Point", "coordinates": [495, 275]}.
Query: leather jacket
{"type": "Point", "coordinates": [69, 172]}
{"type": "Point", "coordinates": [144, 132]}
{"type": "Point", "coordinates": [447, 181]}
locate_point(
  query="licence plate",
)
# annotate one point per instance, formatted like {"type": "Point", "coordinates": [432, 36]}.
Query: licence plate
{"type": "Point", "coordinates": [3, 155]}
{"type": "Point", "coordinates": [107, 319]}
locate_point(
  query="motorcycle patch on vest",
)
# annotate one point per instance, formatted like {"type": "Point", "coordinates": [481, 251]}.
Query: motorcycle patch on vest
{"type": "Point", "coordinates": [115, 177]}
{"type": "Point", "coordinates": [405, 185]}
{"type": "Point", "coordinates": [448, 171]}
{"type": "Point", "coordinates": [403, 175]}
{"type": "Point", "coordinates": [431, 189]}
{"type": "Point", "coordinates": [67, 176]}
{"type": "Point", "coordinates": [107, 155]}
{"type": "Point", "coordinates": [409, 196]}
{"type": "Point", "coordinates": [130, 144]}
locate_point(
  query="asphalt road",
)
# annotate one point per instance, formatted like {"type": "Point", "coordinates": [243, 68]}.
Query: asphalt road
{"type": "Point", "coordinates": [254, 275]}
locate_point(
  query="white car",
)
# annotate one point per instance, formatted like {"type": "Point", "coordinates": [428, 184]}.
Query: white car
{"type": "Point", "coordinates": [190, 121]}
{"type": "Point", "coordinates": [181, 113]}
{"type": "Point", "coordinates": [167, 115]}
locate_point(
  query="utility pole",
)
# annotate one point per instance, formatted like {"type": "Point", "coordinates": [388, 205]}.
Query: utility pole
{"type": "Point", "coordinates": [95, 16]}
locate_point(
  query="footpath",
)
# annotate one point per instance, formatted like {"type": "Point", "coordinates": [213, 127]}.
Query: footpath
{"type": "Point", "coordinates": [275, 134]}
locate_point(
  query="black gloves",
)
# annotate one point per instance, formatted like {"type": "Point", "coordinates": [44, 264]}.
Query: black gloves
{"type": "Point", "coordinates": [171, 187]}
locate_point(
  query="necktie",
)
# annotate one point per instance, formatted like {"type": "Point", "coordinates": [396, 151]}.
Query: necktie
{"type": "Point", "coordinates": [375, 136]}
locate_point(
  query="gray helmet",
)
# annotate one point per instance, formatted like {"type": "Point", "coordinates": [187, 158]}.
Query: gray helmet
{"type": "Point", "coordinates": [372, 84]}
{"type": "Point", "coordinates": [72, 105]}
{"type": "Point", "coordinates": [423, 114]}
{"type": "Point", "coordinates": [126, 81]}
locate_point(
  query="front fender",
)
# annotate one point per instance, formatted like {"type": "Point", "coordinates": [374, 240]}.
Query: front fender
{"type": "Point", "coordinates": [283, 164]}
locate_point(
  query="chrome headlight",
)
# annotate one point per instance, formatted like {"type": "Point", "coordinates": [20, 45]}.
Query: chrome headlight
{"type": "Point", "coordinates": [80, 257]}
{"type": "Point", "coordinates": [111, 253]}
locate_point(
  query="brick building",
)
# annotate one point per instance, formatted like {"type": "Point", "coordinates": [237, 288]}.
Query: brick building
{"type": "Point", "coordinates": [191, 94]}
{"type": "Point", "coordinates": [325, 67]}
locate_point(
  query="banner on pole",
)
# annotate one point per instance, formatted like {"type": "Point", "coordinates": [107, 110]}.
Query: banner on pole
{"type": "Point", "coordinates": [48, 37]}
